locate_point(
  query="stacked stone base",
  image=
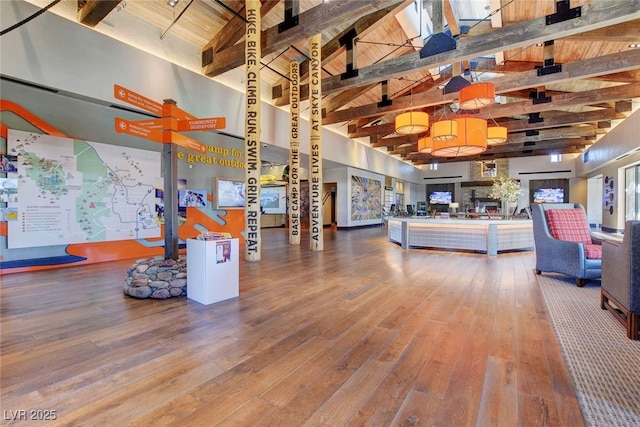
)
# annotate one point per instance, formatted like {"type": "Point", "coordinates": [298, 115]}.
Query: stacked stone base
{"type": "Point", "coordinates": [157, 278]}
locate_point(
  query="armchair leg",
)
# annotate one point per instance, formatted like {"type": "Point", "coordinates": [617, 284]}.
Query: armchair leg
{"type": "Point", "coordinates": [628, 320]}
{"type": "Point", "coordinates": [581, 282]}
{"type": "Point", "coordinates": [632, 326]}
{"type": "Point", "coordinates": [538, 272]}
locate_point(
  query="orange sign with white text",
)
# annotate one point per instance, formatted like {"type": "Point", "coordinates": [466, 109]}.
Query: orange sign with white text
{"type": "Point", "coordinates": [186, 142]}
{"type": "Point", "coordinates": [166, 128]}
{"type": "Point", "coordinates": [136, 99]}
{"type": "Point", "coordinates": [132, 128]}
{"type": "Point", "coordinates": [202, 124]}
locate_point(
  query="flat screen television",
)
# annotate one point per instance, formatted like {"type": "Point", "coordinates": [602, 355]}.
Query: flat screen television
{"type": "Point", "coordinates": [229, 193]}
{"type": "Point", "coordinates": [440, 197]}
{"type": "Point", "coordinates": [548, 195]}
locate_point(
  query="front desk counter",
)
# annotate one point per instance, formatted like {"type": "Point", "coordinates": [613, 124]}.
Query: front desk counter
{"type": "Point", "coordinates": [212, 270]}
{"type": "Point", "coordinates": [484, 235]}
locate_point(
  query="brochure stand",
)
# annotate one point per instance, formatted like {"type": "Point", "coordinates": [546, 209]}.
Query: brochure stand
{"type": "Point", "coordinates": [212, 270]}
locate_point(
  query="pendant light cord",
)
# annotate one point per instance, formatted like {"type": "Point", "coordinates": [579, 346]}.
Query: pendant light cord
{"type": "Point", "coordinates": [29, 18]}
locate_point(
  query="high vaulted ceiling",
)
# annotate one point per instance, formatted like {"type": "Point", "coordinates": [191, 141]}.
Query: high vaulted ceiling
{"type": "Point", "coordinates": [565, 72]}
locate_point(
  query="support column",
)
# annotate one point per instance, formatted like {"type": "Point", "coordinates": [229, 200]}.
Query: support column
{"type": "Point", "coordinates": [253, 243]}
{"type": "Point", "coordinates": [315, 140]}
{"type": "Point", "coordinates": [294, 154]}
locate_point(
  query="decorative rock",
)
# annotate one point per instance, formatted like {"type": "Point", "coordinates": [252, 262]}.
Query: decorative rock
{"type": "Point", "coordinates": [175, 292]}
{"type": "Point", "coordinates": [164, 275]}
{"type": "Point", "coordinates": [161, 294]}
{"type": "Point", "coordinates": [139, 292]}
{"type": "Point", "coordinates": [157, 278]}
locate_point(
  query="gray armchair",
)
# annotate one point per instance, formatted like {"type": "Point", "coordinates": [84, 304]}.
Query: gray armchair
{"type": "Point", "coordinates": [581, 260]}
{"type": "Point", "coordinates": [620, 293]}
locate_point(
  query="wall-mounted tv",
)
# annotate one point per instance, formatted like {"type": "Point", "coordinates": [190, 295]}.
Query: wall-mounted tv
{"type": "Point", "coordinates": [548, 195]}
{"type": "Point", "coordinates": [273, 200]}
{"type": "Point", "coordinates": [440, 197]}
{"type": "Point", "coordinates": [229, 193]}
{"type": "Point", "coordinates": [192, 198]}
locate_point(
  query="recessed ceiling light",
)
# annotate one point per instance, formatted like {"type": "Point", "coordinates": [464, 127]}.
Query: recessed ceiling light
{"type": "Point", "coordinates": [634, 45]}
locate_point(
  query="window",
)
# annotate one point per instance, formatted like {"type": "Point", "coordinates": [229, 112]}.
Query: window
{"type": "Point", "coordinates": [556, 158]}
{"type": "Point", "coordinates": [433, 166]}
{"type": "Point", "coordinates": [632, 193]}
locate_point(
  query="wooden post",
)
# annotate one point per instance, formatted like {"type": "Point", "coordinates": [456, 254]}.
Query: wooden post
{"type": "Point", "coordinates": [253, 244]}
{"type": "Point", "coordinates": [315, 140]}
{"type": "Point", "coordinates": [294, 154]}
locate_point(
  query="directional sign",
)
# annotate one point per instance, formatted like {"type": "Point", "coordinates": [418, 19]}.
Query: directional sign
{"type": "Point", "coordinates": [202, 124]}
{"type": "Point", "coordinates": [132, 128]}
{"type": "Point", "coordinates": [165, 123]}
{"type": "Point", "coordinates": [136, 99]}
{"type": "Point", "coordinates": [183, 141]}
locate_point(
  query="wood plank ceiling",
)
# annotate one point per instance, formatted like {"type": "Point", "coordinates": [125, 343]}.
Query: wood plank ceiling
{"type": "Point", "coordinates": [565, 71]}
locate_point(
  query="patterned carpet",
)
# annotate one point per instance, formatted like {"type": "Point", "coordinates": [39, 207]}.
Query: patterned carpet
{"type": "Point", "coordinates": [603, 363]}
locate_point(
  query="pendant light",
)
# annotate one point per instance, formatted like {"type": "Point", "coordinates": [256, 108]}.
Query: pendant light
{"type": "Point", "coordinates": [471, 139]}
{"type": "Point", "coordinates": [444, 130]}
{"type": "Point", "coordinates": [424, 144]}
{"type": "Point", "coordinates": [477, 95]}
{"type": "Point", "coordinates": [496, 134]}
{"type": "Point", "coordinates": [412, 122]}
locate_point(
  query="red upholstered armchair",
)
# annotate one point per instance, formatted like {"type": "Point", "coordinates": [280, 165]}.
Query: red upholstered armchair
{"type": "Point", "coordinates": [564, 243]}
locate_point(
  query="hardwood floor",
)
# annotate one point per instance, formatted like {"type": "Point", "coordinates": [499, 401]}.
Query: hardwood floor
{"type": "Point", "coordinates": [363, 333]}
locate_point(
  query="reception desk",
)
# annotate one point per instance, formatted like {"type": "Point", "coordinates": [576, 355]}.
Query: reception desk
{"type": "Point", "coordinates": [483, 235]}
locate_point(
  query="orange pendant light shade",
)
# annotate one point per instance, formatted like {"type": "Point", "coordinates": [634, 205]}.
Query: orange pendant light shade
{"type": "Point", "coordinates": [444, 130]}
{"type": "Point", "coordinates": [496, 134]}
{"type": "Point", "coordinates": [424, 144]}
{"type": "Point", "coordinates": [472, 139]}
{"type": "Point", "coordinates": [412, 122]}
{"type": "Point", "coordinates": [477, 95]}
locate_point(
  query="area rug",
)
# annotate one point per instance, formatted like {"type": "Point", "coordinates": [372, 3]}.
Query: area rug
{"type": "Point", "coordinates": [603, 363]}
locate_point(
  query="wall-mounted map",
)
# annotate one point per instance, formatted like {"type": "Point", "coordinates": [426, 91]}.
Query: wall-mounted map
{"type": "Point", "coordinates": [76, 191]}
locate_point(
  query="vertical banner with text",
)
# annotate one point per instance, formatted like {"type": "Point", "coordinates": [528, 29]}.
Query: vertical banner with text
{"type": "Point", "coordinates": [294, 153]}
{"type": "Point", "coordinates": [315, 139]}
{"type": "Point", "coordinates": [253, 244]}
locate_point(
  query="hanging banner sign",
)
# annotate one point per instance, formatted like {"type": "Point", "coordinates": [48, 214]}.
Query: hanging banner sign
{"type": "Point", "coordinates": [136, 99]}
{"type": "Point", "coordinates": [202, 124]}
{"type": "Point", "coordinates": [135, 129]}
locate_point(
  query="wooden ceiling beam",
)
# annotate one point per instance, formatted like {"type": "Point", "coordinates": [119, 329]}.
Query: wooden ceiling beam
{"type": "Point", "coordinates": [310, 22]}
{"type": "Point", "coordinates": [91, 12]}
{"type": "Point", "coordinates": [235, 30]}
{"type": "Point", "coordinates": [364, 25]}
{"type": "Point", "coordinates": [615, 93]}
{"type": "Point", "coordinates": [554, 119]}
{"type": "Point", "coordinates": [613, 63]}
{"type": "Point", "coordinates": [626, 32]}
{"type": "Point", "coordinates": [594, 16]}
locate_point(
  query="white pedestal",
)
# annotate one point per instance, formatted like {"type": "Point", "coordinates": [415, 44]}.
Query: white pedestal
{"type": "Point", "coordinates": [212, 277]}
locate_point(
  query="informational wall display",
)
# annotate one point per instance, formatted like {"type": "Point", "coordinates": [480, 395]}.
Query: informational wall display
{"type": "Point", "coordinates": [76, 191]}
